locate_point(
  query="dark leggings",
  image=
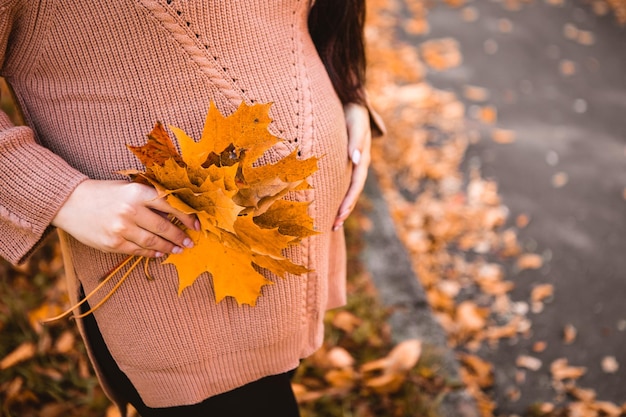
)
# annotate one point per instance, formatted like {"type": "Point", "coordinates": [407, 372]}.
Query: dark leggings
{"type": "Point", "coordinates": [269, 396]}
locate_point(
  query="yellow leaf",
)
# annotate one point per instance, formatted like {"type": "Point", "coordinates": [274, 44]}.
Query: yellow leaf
{"type": "Point", "coordinates": [246, 128]}
{"type": "Point", "coordinates": [245, 225]}
{"type": "Point", "coordinates": [232, 271]}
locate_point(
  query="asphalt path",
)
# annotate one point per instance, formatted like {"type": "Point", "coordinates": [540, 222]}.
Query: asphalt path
{"type": "Point", "coordinates": [565, 99]}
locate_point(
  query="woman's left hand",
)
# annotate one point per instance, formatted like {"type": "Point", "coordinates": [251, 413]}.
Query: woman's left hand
{"type": "Point", "coordinates": [359, 142]}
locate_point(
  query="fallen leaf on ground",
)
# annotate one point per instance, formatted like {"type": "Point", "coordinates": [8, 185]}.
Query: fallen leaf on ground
{"type": "Point", "coordinates": [470, 317]}
{"type": "Point", "coordinates": [402, 358]}
{"type": "Point", "coordinates": [561, 370]}
{"type": "Point", "coordinates": [475, 93]}
{"type": "Point", "coordinates": [541, 292]}
{"type": "Point", "coordinates": [503, 136]}
{"type": "Point", "coordinates": [441, 54]}
{"type": "Point", "coordinates": [610, 364]}
{"type": "Point", "coordinates": [339, 357]}
{"type": "Point", "coordinates": [569, 334]}
{"type": "Point", "coordinates": [530, 261]}
{"type": "Point", "coordinates": [528, 362]}
{"type": "Point", "coordinates": [567, 67]}
{"type": "Point", "coordinates": [22, 353]}
{"type": "Point", "coordinates": [346, 321]}
{"type": "Point", "coordinates": [559, 179]}
{"type": "Point", "coordinates": [479, 369]}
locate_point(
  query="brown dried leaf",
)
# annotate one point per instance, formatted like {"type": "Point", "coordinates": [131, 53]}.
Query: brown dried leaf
{"type": "Point", "coordinates": [346, 321]}
{"type": "Point", "coordinates": [66, 342]}
{"type": "Point", "coordinates": [503, 136]}
{"type": "Point", "coordinates": [44, 311]}
{"type": "Point", "coordinates": [402, 358]}
{"type": "Point", "coordinates": [567, 67]}
{"type": "Point", "coordinates": [610, 364]}
{"type": "Point", "coordinates": [569, 334]}
{"type": "Point", "coordinates": [22, 353]}
{"type": "Point", "coordinates": [530, 261]}
{"type": "Point", "coordinates": [488, 114]}
{"type": "Point", "coordinates": [441, 54]}
{"type": "Point", "coordinates": [386, 383]}
{"type": "Point", "coordinates": [528, 362]}
{"type": "Point", "coordinates": [585, 38]}
{"type": "Point", "coordinates": [339, 357]}
{"type": "Point", "coordinates": [560, 370]}
{"type": "Point", "coordinates": [608, 408]}
{"type": "Point", "coordinates": [475, 93]}
{"type": "Point", "coordinates": [585, 395]}
{"type": "Point", "coordinates": [559, 179]}
{"type": "Point", "coordinates": [470, 317]}
{"type": "Point", "coordinates": [513, 394]}
{"type": "Point", "coordinates": [541, 292]}
{"type": "Point", "coordinates": [480, 371]}
{"type": "Point", "coordinates": [522, 221]}
{"type": "Point", "coordinates": [341, 378]}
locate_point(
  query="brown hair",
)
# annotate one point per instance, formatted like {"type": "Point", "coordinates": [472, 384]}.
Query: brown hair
{"type": "Point", "coordinates": [336, 27]}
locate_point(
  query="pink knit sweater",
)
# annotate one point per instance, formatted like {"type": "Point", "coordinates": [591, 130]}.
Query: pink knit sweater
{"type": "Point", "coordinates": [93, 76]}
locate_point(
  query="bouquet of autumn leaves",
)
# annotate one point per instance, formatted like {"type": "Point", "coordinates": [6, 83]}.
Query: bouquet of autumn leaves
{"type": "Point", "coordinates": [245, 222]}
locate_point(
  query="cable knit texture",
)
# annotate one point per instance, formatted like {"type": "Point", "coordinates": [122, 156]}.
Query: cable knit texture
{"type": "Point", "coordinates": [93, 76]}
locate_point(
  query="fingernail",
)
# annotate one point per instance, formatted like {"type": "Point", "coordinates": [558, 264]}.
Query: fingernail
{"type": "Point", "coordinates": [188, 243]}
{"type": "Point", "coordinates": [158, 255]}
{"type": "Point", "coordinates": [337, 226]}
{"type": "Point", "coordinates": [177, 250]}
{"type": "Point", "coordinates": [356, 157]}
{"type": "Point", "coordinates": [196, 225]}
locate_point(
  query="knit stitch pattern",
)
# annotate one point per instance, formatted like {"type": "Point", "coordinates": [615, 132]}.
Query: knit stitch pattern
{"type": "Point", "coordinates": [94, 76]}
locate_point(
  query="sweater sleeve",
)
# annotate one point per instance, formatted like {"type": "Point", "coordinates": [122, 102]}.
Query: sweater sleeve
{"type": "Point", "coordinates": [34, 182]}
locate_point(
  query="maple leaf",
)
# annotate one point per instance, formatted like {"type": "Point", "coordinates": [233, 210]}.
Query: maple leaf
{"type": "Point", "coordinates": [233, 272]}
{"type": "Point", "coordinates": [245, 223]}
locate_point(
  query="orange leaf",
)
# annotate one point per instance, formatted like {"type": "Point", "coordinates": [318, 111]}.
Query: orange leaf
{"type": "Point", "coordinates": [231, 269]}
{"type": "Point", "coordinates": [22, 353]}
{"type": "Point", "coordinates": [244, 223]}
{"type": "Point", "coordinates": [158, 149]}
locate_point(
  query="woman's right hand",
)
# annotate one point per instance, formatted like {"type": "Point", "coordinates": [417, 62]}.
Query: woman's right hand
{"type": "Point", "coordinates": [122, 217]}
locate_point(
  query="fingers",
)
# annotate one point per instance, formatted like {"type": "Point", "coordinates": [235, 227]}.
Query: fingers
{"type": "Point", "coordinates": [359, 141]}
{"type": "Point", "coordinates": [144, 225]}
{"type": "Point", "coordinates": [359, 134]}
{"type": "Point", "coordinates": [157, 233]}
{"type": "Point", "coordinates": [190, 221]}
{"type": "Point", "coordinates": [359, 175]}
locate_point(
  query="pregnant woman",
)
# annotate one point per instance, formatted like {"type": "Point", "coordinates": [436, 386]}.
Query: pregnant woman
{"type": "Point", "coordinates": [94, 76]}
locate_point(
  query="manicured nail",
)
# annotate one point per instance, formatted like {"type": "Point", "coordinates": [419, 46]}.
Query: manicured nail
{"type": "Point", "coordinates": [196, 225]}
{"type": "Point", "coordinates": [188, 243]}
{"type": "Point", "coordinates": [158, 255]}
{"type": "Point", "coordinates": [337, 226]}
{"type": "Point", "coordinates": [177, 250]}
{"type": "Point", "coordinates": [356, 157]}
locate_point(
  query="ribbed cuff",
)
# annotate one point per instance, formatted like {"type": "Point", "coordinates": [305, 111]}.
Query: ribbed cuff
{"type": "Point", "coordinates": [35, 183]}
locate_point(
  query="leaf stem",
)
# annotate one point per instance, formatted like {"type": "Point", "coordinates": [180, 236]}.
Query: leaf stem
{"type": "Point", "coordinates": [88, 296]}
{"type": "Point", "coordinates": [120, 282]}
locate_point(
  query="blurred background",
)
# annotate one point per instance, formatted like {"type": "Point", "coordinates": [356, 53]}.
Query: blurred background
{"type": "Point", "coordinates": [503, 176]}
